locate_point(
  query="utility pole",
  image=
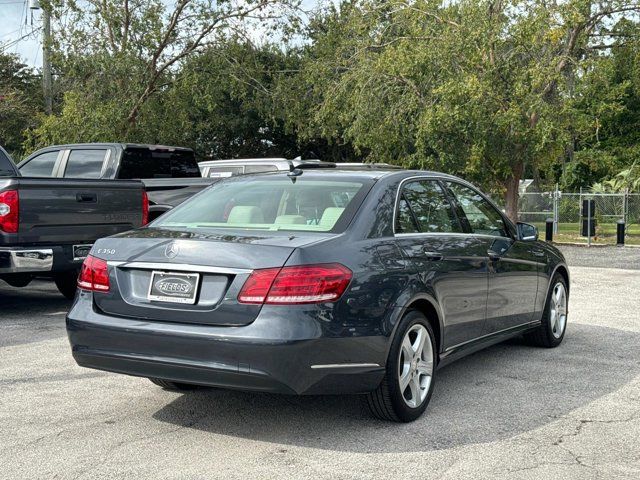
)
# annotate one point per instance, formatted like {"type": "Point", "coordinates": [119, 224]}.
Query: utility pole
{"type": "Point", "coordinates": [47, 84]}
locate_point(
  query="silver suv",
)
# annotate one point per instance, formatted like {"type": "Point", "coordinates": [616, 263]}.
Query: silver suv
{"type": "Point", "coordinates": [229, 168]}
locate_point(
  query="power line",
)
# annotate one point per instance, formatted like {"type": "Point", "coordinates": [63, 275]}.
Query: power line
{"type": "Point", "coordinates": [18, 40]}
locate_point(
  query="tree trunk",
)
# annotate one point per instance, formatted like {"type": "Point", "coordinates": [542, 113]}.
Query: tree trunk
{"type": "Point", "coordinates": [511, 195]}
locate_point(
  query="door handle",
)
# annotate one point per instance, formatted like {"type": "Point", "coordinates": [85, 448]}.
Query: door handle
{"type": "Point", "coordinates": [538, 253]}
{"type": "Point", "coordinates": [87, 197]}
{"type": "Point", "coordinates": [433, 256]}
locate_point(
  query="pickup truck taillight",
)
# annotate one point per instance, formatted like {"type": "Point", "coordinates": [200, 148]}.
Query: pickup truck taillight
{"type": "Point", "coordinates": [9, 207]}
{"type": "Point", "coordinates": [296, 285]}
{"type": "Point", "coordinates": [145, 208]}
{"type": "Point", "coordinates": [94, 275]}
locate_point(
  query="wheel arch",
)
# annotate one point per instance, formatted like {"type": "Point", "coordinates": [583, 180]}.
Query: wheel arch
{"type": "Point", "coordinates": [561, 269]}
{"type": "Point", "coordinates": [428, 306]}
{"type": "Point", "coordinates": [564, 271]}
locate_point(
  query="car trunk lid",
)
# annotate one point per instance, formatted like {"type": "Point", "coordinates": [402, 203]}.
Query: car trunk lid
{"type": "Point", "coordinates": [213, 267]}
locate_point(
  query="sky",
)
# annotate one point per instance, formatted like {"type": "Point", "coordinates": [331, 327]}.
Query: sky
{"type": "Point", "coordinates": [13, 14]}
{"type": "Point", "coordinates": [17, 20]}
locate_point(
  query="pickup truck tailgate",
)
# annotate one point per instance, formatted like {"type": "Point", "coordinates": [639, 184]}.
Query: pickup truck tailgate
{"type": "Point", "coordinates": [76, 211]}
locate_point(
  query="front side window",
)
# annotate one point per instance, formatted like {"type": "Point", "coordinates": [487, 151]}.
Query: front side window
{"type": "Point", "coordinates": [85, 163]}
{"type": "Point", "coordinates": [269, 203]}
{"type": "Point", "coordinates": [423, 207]}
{"type": "Point", "coordinates": [40, 166]}
{"type": "Point", "coordinates": [483, 218]}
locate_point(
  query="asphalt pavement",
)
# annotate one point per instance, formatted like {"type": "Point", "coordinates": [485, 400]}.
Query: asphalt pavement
{"type": "Point", "coordinates": [509, 412]}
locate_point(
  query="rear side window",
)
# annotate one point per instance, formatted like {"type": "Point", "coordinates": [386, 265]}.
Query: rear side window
{"type": "Point", "coordinates": [483, 218]}
{"type": "Point", "coordinates": [6, 166]}
{"type": "Point", "coordinates": [40, 165]}
{"type": "Point", "coordinates": [424, 208]}
{"type": "Point", "coordinates": [147, 163]}
{"type": "Point", "coordinates": [405, 221]}
{"type": "Point", "coordinates": [85, 163]}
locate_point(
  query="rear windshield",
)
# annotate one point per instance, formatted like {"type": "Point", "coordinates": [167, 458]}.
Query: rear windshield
{"type": "Point", "coordinates": [271, 203]}
{"type": "Point", "coordinates": [6, 166]}
{"type": "Point", "coordinates": [147, 163]}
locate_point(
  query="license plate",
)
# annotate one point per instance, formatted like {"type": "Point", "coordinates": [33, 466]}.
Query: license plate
{"type": "Point", "coordinates": [80, 252]}
{"type": "Point", "coordinates": [174, 287]}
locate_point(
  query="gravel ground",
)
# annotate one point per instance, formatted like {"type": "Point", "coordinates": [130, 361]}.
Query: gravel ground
{"type": "Point", "coordinates": [509, 412]}
{"type": "Point", "coordinates": [605, 257]}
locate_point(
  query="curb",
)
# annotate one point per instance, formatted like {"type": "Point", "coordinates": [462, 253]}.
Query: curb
{"type": "Point", "coordinates": [593, 245]}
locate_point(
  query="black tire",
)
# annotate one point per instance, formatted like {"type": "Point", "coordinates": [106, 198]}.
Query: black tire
{"type": "Point", "coordinates": [544, 336]}
{"type": "Point", "coordinates": [67, 284]}
{"type": "Point", "coordinates": [173, 386]}
{"type": "Point", "coordinates": [387, 401]}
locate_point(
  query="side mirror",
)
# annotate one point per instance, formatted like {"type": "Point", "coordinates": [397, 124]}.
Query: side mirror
{"type": "Point", "coordinates": [527, 232]}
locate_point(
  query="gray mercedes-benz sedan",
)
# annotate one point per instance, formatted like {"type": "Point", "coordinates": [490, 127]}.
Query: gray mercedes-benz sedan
{"type": "Point", "coordinates": [318, 281]}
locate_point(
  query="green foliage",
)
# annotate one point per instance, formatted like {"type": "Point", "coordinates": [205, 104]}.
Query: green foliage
{"type": "Point", "coordinates": [587, 167]}
{"type": "Point", "coordinates": [480, 89]}
{"type": "Point", "coordinates": [627, 180]}
{"type": "Point", "coordinates": [607, 113]}
{"type": "Point", "coordinates": [19, 102]}
{"type": "Point", "coordinates": [123, 66]}
{"type": "Point", "coordinates": [494, 91]}
{"type": "Point", "coordinates": [222, 103]}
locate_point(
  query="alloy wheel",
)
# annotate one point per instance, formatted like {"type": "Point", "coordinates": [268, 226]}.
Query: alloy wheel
{"type": "Point", "coordinates": [558, 313]}
{"type": "Point", "coordinates": [415, 365]}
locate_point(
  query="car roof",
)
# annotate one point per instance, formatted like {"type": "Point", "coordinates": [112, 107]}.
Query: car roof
{"type": "Point", "coordinates": [121, 145]}
{"type": "Point", "coordinates": [285, 163]}
{"type": "Point", "coordinates": [364, 173]}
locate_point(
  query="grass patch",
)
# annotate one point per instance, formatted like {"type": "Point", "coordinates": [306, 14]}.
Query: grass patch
{"type": "Point", "coordinates": [605, 234]}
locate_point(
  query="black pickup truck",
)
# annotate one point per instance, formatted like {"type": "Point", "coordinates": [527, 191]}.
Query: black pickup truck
{"type": "Point", "coordinates": [170, 174]}
{"type": "Point", "coordinates": [48, 225]}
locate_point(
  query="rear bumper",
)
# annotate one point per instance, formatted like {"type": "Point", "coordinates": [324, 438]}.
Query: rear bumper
{"type": "Point", "coordinates": [25, 260]}
{"type": "Point", "coordinates": [245, 358]}
{"type": "Point", "coordinates": [36, 260]}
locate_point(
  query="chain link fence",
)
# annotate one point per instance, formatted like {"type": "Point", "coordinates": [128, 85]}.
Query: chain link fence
{"type": "Point", "coordinates": [565, 208]}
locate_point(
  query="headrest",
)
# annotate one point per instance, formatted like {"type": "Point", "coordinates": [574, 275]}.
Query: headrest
{"type": "Point", "coordinates": [245, 214]}
{"type": "Point", "coordinates": [330, 216]}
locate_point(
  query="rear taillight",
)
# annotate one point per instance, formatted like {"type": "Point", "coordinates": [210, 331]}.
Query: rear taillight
{"type": "Point", "coordinates": [296, 285]}
{"type": "Point", "coordinates": [94, 275]}
{"type": "Point", "coordinates": [145, 208]}
{"type": "Point", "coordinates": [9, 207]}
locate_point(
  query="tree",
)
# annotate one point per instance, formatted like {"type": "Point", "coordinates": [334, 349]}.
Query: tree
{"type": "Point", "coordinates": [113, 57]}
{"type": "Point", "coordinates": [481, 89]}
{"type": "Point", "coordinates": [607, 107]}
{"type": "Point", "coordinates": [19, 101]}
{"type": "Point", "coordinates": [222, 103]}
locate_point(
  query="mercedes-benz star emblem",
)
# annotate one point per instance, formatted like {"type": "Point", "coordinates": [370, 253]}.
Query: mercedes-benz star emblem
{"type": "Point", "coordinates": [172, 250]}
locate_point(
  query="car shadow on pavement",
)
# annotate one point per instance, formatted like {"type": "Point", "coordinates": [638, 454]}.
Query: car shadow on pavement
{"type": "Point", "coordinates": [38, 296]}
{"type": "Point", "coordinates": [495, 394]}
{"type": "Point", "coordinates": [31, 314]}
